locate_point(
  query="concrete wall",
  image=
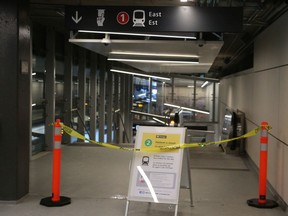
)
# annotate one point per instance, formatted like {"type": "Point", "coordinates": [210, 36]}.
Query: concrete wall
{"type": "Point", "coordinates": [261, 93]}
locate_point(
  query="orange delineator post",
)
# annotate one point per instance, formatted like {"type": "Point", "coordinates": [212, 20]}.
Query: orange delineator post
{"type": "Point", "coordinates": [56, 200]}
{"type": "Point", "coordinates": [263, 163]}
{"type": "Point", "coordinates": [56, 162]}
{"type": "Point", "coordinates": [262, 202]}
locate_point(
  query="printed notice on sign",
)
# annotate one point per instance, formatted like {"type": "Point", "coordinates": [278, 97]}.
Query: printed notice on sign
{"type": "Point", "coordinates": [155, 176]}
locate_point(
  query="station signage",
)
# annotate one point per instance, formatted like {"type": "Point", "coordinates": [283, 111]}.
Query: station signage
{"type": "Point", "coordinates": [154, 19]}
{"type": "Point", "coordinates": [155, 176]}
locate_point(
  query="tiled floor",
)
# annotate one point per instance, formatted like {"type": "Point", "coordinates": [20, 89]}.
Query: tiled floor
{"type": "Point", "coordinates": [96, 179]}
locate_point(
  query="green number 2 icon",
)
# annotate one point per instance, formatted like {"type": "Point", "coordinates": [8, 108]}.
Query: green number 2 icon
{"type": "Point", "coordinates": [148, 142]}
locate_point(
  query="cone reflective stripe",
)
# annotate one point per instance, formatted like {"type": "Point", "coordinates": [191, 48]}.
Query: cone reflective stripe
{"type": "Point", "coordinates": [56, 199]}
{"type": "Point", "coordinates": [57, 135]}
{"type": "Point", "coordinates": [262, 202]}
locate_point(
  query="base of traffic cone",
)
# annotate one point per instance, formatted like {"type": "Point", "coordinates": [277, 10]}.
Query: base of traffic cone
{"type": "Point", "coordinates": [49, 203]}
{"type": "Point", "coordinates": [268, 204]}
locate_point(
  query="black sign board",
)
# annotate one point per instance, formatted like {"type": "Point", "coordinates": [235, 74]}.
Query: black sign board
{"type": "Point", "coordinates": [154, 19]}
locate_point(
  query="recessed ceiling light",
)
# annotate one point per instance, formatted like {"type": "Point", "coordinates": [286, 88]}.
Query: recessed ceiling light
{"type": "Point", "coordinates": [186, 108]}
{"type": "Point", "coordinates": [139, 34]}
{"type": "Point", "coordinates": [204, 84]}
{"type": "Point", "coordinates": [152, 61]}
{"type": "Point", "coordinates": [154, 54]}
{"type": "Point", "coordinates": [139, 74]}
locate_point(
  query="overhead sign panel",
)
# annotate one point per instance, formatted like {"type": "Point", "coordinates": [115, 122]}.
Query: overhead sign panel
{"type": "Point", "coordinates": [154, 19]}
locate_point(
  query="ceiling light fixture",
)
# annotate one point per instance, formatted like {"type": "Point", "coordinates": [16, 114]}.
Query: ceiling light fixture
{"type": "Point", "coordinates": [172, 105]}
{"type": "Point", "coordinates": [139, 74]}
{"type": "Point", "coordinates": [195, 110]}
{"type": "Point", "coordinates": [204, 84]}
{"type": "Point", "coordinates": [183, 0]}
{"type": "Point", "coordinates": [160, 121]}
{"type": "Point", "coordinates": [139, 34]}
{"type": "Point", "coordinates": [188, 65]}
{"type": "Point", "coordinates": [106, 40]}
{"type": "Point", "coordinates": [153, 54]}
{"type": "Point", "coordinates": [152, 61]}
{"type": "Point", "coordinates": [186, 108]}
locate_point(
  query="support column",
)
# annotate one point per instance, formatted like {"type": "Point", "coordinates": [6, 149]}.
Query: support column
{"type": "Point", "coordinates": [122, 131]}
{"type": "Point", "coordinates": [116, 108]}
{"type": "Point", "coordinates": [50, 87]}
{"type": "Point", "coordinates": [126, 106]}
{"type": "Point", "coordinates": [214, 102]}
{"type": "Point", "coordinates": [93, 90]}
{"type": "Point", "coordinates": [15, 100]}
{"type": "Point", "coordinates": [102, 94]}
{"type": "Point", "coordinates": [173, 88]}
{"type": "Point", "coordinates": [109, 102]}
{"type": "Point", "coordinates": [194, 97]}
{"type": "Point", "coordinates": [162, 97]}
{"type": "Point", "coordinates": [129, 122]}
{"type": "Point", "coordinates": [68, 87]}
{"type": "Point", "coordinates": [82, 91]}
{"type": "Point", "coordinates": [150, 95]}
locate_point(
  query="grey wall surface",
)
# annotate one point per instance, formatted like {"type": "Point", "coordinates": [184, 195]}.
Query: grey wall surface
{"type": "Point", "coordinates": [261, 93]}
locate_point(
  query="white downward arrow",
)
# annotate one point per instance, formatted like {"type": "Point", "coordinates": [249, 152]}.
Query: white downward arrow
{"type": "Point", "coordinates": [77, 19]}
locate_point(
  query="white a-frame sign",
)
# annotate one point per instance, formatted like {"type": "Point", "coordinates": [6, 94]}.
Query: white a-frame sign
{"type": "Point", "coordinates": [155, 175]}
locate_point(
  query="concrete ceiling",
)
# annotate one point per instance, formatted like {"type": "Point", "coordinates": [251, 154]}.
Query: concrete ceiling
{"type": "Point", "coordinates": [206, 53]}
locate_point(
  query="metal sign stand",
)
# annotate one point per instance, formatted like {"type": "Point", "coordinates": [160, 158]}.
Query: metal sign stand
{"type": "Point", "coordinates": [127, 207]}
{"type": "Point", "coordinates": [187, 155]}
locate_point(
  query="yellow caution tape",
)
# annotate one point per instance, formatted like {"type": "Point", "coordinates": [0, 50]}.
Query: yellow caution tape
{"type": "Point", "coordinates": [77, 135]}
{"type": "Point", "coordinates": [202, 144]}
